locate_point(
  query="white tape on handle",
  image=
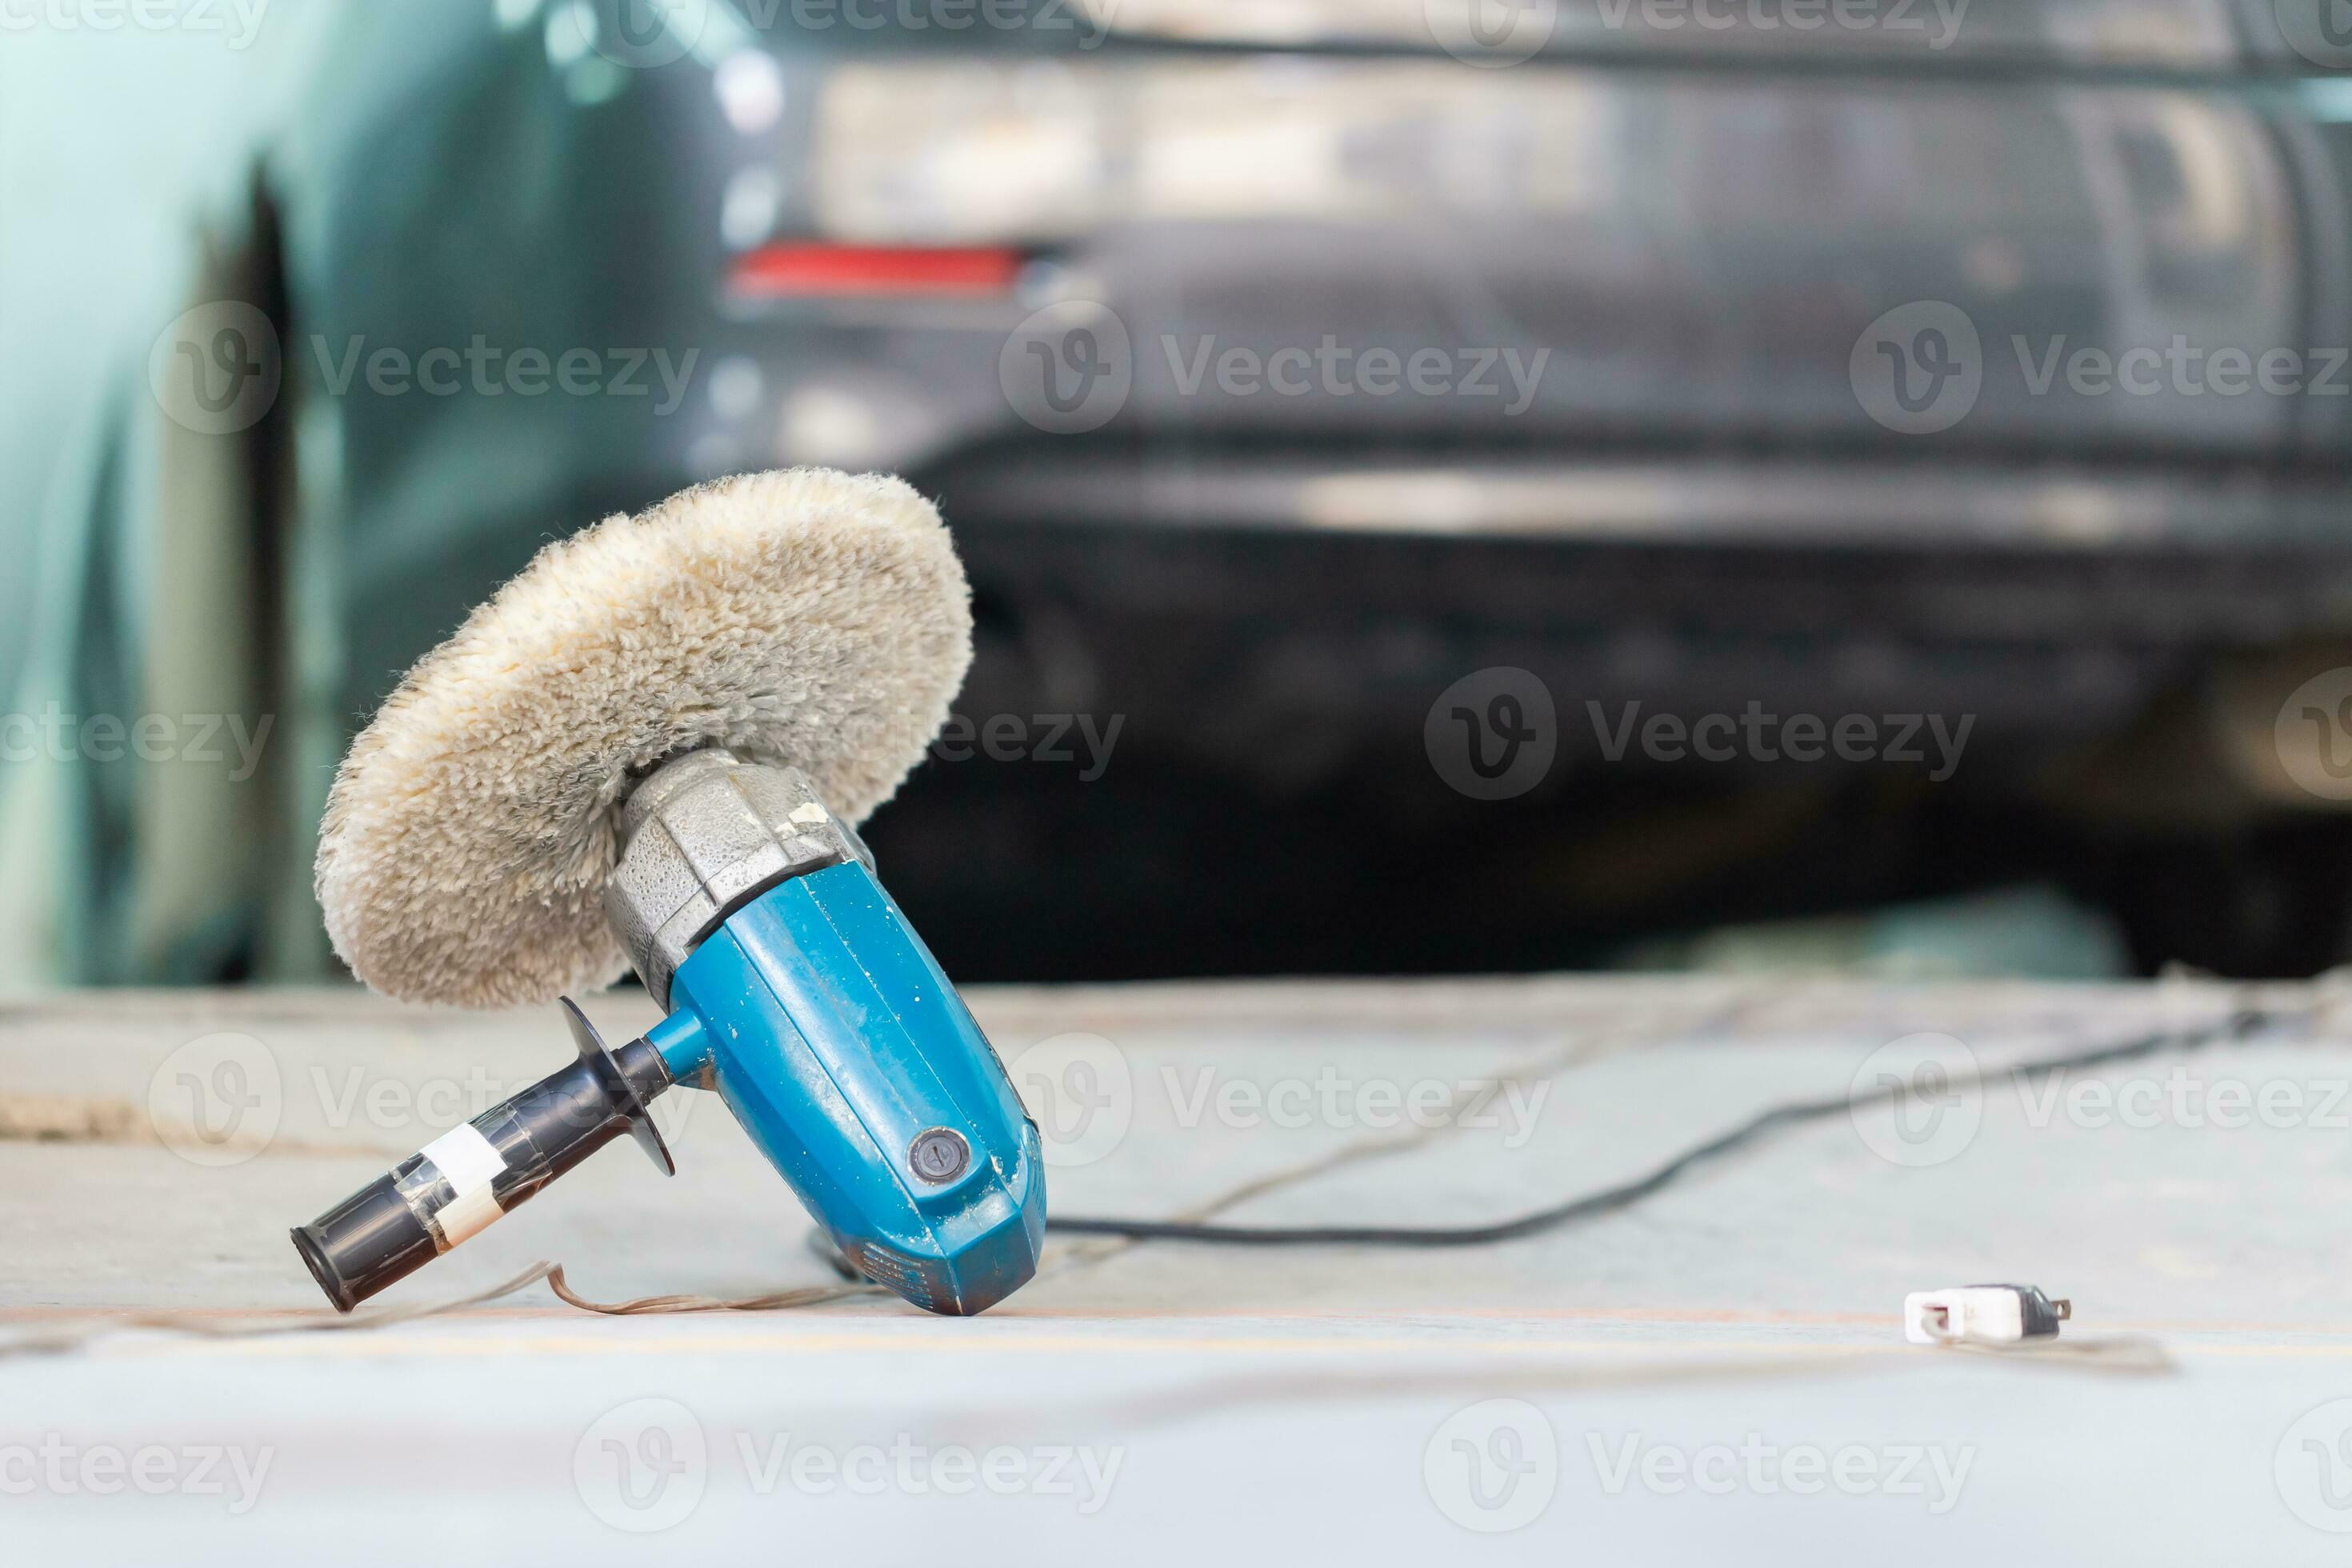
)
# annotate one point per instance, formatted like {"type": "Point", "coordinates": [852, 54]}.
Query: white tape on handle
{"type": "Point", "coordinates": [470, 1164]}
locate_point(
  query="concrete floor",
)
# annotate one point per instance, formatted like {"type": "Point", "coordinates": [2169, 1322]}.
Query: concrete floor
{"type": "Point", "coordinates": [1718, 1374]}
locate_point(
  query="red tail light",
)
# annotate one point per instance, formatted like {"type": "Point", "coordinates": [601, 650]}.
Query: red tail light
{"type": "Point", "coordinates": [796, 271]}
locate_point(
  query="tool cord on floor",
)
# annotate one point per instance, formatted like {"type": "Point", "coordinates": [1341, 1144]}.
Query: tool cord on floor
{"type": "Point", "coordinates": [1612, 1200]}
{"type": "Point", "coordinates": [2238, 1025]}
{"type": "Point", "coordinates": [52, 1340]}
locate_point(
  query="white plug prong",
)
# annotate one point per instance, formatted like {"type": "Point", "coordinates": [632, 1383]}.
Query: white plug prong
{"type": "Point", "coordinates": [1982, 1314]}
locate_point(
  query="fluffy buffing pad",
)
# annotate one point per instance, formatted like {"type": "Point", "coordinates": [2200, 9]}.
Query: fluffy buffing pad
{"type": "Point", "coordinates": [809, 618]}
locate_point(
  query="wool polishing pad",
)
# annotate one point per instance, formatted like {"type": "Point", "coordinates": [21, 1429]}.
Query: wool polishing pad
{"type": "Point", "coordinates": [808, 618]}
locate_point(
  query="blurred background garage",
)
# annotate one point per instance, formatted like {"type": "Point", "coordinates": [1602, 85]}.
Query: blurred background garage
{"type": "Point", "coordinates": [1449, 485]}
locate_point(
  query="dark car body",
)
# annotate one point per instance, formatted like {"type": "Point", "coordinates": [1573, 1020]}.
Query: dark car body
{"type": "Point", "coordinates": [787, 238]}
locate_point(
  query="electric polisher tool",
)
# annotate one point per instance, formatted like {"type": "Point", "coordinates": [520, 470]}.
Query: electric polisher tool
{"type": "Point", "coordinates": [651, 750]}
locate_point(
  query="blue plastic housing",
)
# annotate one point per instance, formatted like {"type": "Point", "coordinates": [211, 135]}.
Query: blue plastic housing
{"type": "Point", "coordinates": [827, 1026]}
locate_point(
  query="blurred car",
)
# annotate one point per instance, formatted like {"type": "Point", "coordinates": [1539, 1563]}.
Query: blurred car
{"type": "Point", "coordinates": [1281, 365]}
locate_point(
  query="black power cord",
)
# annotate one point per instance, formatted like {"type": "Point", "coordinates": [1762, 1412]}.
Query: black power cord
{"type": "Point", "coordinates": [1610, 1200]}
